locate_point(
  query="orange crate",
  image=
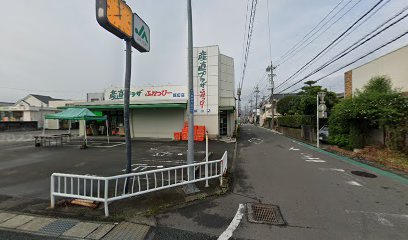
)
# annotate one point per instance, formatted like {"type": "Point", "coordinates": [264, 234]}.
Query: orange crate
{"type": "Point", "coordinates": [177, 136]}
{"type": "Point", "coordinates": [199, 139]}
{"type": "Point", "coordinates": [184, 136]}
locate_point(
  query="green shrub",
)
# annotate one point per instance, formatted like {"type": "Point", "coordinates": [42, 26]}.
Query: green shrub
{"type": "Point", "coordinates": [296, 121]}
{"type": "Point", "coordinates": [376, 106]}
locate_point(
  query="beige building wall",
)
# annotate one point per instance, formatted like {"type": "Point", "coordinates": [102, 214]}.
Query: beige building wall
{"type": "Point", "coordinates": [393, 65]}
{"type": "Point", "coordinates": [156, 123]}
{"type": "Point", "coordinates": [227, 96]}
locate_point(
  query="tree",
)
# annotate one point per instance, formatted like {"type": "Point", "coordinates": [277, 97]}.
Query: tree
{"type": "Point", "coordinates": [377, 105]}
{"type": "Point", "coordinates": [288, 105]}
{"type": "Point", "coordinates": [308, 98]}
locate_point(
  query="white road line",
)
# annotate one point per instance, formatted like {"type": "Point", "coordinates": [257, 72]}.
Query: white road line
{"type": "Point", "coordinates": [392, 215]}
{"type": "Point", "coordinates": [354, 183]}
{"type": "Point", "coordinates": [234, 223]}
{"type": "Point", "coordinates": [293, 149]}
{"type": "Point", "coordinates": [316, 161]}
{"type": "Point", "coordinates": [332, 169]}
{"type": "Point", "coordinates": [255, 140]}
{"type": "Point", "coordinates": [312, 158]}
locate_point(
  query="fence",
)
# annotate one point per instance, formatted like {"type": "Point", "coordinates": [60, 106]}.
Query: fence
{"type": "Point", "coordinates": [109, 189]}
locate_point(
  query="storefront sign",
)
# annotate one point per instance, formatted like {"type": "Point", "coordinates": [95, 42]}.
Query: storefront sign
{"type": "Point", "coordinates": [141, 35]}
{"type": "Point", "coordinates": [147, 93]}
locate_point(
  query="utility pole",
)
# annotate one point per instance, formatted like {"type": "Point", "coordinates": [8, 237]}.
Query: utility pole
{"type": "Point", "coordinates": [271, 75]}
{"type": "Point", "coordinates": [256, 103]}
{"type": "Point", "coordinates": [251, 109]}
{"type": "Point", "coordinates": [239, 102]}
{"type": "Point", "coordinates": [190, 188]}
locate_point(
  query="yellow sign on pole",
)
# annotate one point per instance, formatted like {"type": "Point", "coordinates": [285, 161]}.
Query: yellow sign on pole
{"type": "Point", "coordinates": [116, 17]}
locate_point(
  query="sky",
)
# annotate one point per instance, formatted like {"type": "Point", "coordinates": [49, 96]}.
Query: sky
{"type": "Point", "coordinates": [57, 48]}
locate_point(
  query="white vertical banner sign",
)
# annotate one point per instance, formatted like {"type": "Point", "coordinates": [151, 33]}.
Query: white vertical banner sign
{"type": "Point", "coordinates": [202, 84]}
{"type": "Point", "coordinates": [206, 80]}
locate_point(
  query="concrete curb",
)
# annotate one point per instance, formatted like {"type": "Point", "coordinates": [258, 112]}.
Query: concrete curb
{"type": "Point", "coordinates": [50, 226]}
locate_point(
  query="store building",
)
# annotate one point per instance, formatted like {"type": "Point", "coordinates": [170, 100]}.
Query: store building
{"type": "Point", "coordinates": [159, 111]}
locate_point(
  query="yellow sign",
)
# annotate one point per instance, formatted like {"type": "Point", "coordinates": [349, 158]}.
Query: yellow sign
{"type": "Point", "coordinates": [116, 17]}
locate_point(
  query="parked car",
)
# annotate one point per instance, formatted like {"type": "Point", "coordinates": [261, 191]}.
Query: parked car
{"type": "Point", "coordinates": [324, 134]}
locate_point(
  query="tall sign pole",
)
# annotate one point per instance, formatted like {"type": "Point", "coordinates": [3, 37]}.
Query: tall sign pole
{"type": "Point", "coordinates": [126, 111]}
{"type": "Point", "coordinates": [117, 17]}
{"type": "Point", "coordinates": [190, 151]}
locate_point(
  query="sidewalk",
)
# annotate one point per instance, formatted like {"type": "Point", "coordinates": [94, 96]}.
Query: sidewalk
{"type": "Point", "coordinates": [70, 228]}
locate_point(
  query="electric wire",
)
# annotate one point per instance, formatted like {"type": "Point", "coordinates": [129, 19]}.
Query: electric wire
{"type": "Point", "coordinates": [340, 40]}
{"type": "Point", "coordinates": [335, 40]}
{"type": "Point", "coordinates": [249, 37]}
{"type": "Point", "coordinates": [356, 60]}
{"type": "Point", "coordinates": [359, 43]}
{"type": "Point", "coordinates": [307, 37]}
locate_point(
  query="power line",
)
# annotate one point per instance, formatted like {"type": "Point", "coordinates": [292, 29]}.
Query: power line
{"type": "Point", "coordinates": [245, 32]}
{"type": "Point", "coordinates": [323, 32]}
{"type": "Point", "coordinates": [249, 37]}
{"type": "Point", "coordinates": [318, 36]}
{"type": "Point", "coordinates": [335, 40]}
{"type": "Point", "coordinates": [269, 28]}
{"type": "Point", "coordinates": [354, 44]}
{"type": "Point", "coordinates": [354, 29]}
{"type": "Point", "coordinates": [304, 38]}
{"type": "Point", "coordinates": [358, 43]}
{"type": "Point", "coordinates": [358, 59]}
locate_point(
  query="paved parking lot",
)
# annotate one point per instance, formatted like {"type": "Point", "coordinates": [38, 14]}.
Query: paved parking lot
{"type": "Point", "coordinates": [25, 170]}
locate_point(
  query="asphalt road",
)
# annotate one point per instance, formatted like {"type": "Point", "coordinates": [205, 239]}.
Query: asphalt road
{"type": "Point", "coordinates": [318, 195]}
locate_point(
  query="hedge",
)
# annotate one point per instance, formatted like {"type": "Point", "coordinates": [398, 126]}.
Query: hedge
{"type": "Point", "coordinates": [296, 121]}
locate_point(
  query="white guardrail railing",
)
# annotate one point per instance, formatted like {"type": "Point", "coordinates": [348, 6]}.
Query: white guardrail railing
{"type": "Point", "coordinates": [109, 189]}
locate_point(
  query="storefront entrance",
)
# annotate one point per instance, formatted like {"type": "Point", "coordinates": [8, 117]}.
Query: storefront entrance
{"type": "Point", "coordinates": [223, 123]}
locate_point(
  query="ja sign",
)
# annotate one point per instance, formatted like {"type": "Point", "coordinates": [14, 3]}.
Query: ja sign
{"type": "Point", "coordinates": [141, 34]}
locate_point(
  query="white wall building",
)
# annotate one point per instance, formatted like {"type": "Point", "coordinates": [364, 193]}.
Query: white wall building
{"type": "Point", "coordinates": [393, 65]}
{"type": "Point", "coordinates": [32, 108]}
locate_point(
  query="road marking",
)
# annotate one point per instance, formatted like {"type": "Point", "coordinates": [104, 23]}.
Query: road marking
{"type": "Point", "coordinates": [234, 224]}
{"type": "Point", "coordinates": [293, 149]}
{"type": "Point", "coordinates": [384, 221]}
{"type": "Point", "coordinates": [332, 169]}
{"type": "Point", "coordinates": [255, 140]}
{"type": "Point", "coordinates": [312, 158]}
{"type": "Point", "coordinates": [354, 183]}
{"type": "Point", "coordinates": [316, 161]}
{"type": "Point", "coordinates": [401, 216]}
{"type": "Point", "coordinates": [161, 154]}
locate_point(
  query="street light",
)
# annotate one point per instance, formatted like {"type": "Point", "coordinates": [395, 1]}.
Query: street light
{"type": "Point", "coordinates": [320, 113]}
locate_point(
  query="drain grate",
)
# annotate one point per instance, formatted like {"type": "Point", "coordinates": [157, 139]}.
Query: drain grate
{"type": "Point", "coordinates": [265, 213]}
{"type": "Point", "coordinates": [58, 227]}
{"type": "Point", "coordinates": [364, 174]}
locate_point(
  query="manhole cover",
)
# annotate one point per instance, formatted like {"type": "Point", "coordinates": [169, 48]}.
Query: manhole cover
{"type": "Point", "coordinates": [265, 213]}
{"type": "Point", "coordinates": [364, 174]}
{"type": "Point", "coordinates": [58, 227]}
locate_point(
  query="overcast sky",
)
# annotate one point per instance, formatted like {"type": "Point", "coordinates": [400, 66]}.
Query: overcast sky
{"type": "Point", "coordinates": [56, 47]}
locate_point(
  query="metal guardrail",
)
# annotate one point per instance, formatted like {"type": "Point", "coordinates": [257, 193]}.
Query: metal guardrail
{"type": "Point", "coordinates": [109, 189]}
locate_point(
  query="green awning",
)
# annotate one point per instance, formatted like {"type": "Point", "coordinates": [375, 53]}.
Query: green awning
{"type": "Point", "coordinates": [75, 114]}
{"type": "Point", "coordinates": [226, 108]}
{"type": "Point", "coordinates": [133, 106]}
